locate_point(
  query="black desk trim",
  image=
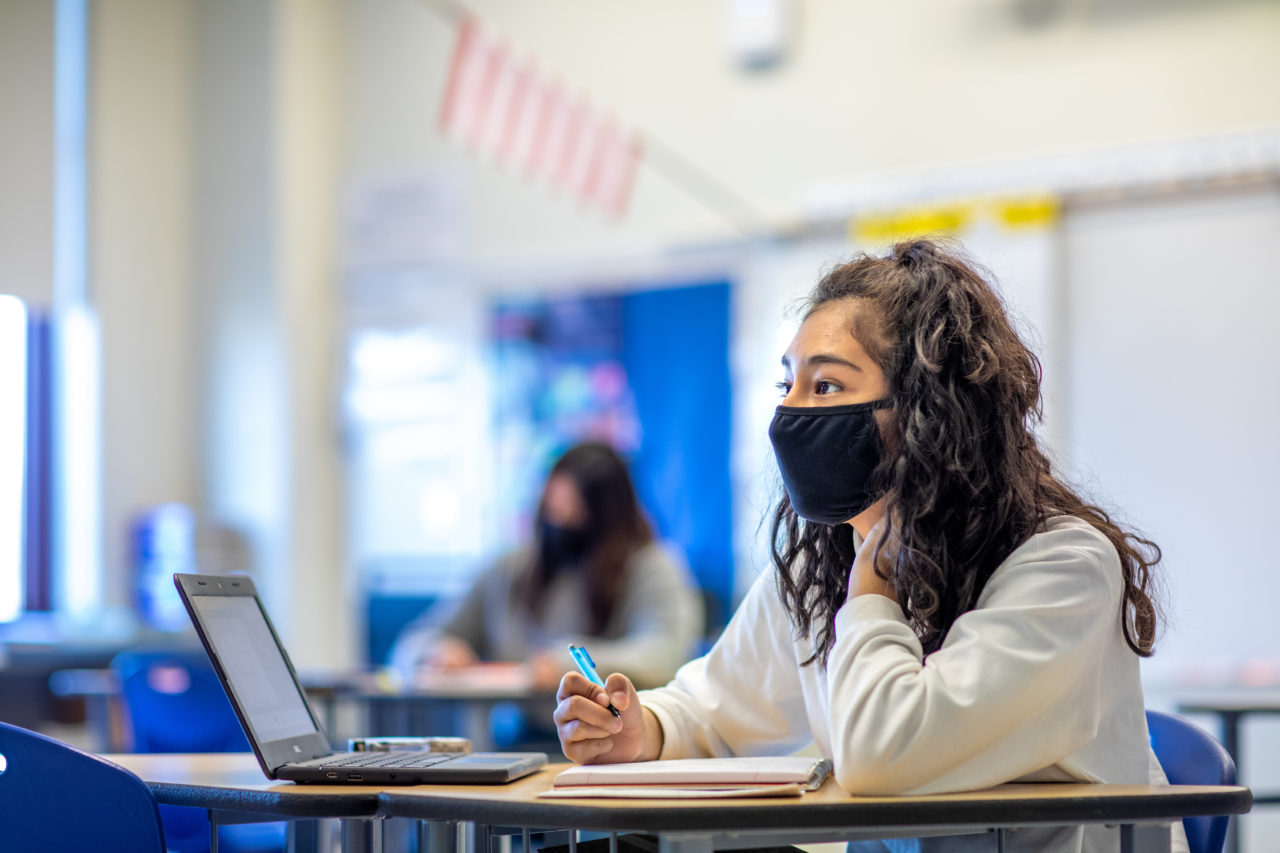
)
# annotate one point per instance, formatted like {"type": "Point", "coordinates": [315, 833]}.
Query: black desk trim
{"type": "Point", "coordinates": [282, 803]}
{"type": "Point", "coordinates": [706, 815]}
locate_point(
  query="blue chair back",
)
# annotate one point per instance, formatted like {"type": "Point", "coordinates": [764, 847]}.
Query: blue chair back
{"type": "Point", "coordinates": [174, 702]}
{"type": "Point", "coordinates": [1192, 756]}
{"type": "Point", "coordinates": [56, 797]}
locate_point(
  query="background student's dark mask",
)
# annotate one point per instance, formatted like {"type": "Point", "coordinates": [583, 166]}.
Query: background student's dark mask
{"type": "Point", "coordinates": [826, 455]}
{"type": "Point", "coordinates": [563, 546]}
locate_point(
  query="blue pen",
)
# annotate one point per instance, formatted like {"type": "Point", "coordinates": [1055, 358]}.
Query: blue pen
{"type": "Point", "coordinates": [588, 668]}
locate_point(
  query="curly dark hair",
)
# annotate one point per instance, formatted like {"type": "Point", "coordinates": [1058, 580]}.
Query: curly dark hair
{"type": "Point", "coordinates": [964, 479]}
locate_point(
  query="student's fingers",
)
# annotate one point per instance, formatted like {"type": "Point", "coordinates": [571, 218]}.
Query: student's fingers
{"type": "Point", "coordinates": [619, 690]}
{"type": "Point", "coordinates": [588, 751]}
{"type": "Point", "coordinates": [584, 744]}
{"type": "Point", "coordinates": [589, 732]}
{"type": "Point", "coordinates": [575, 684]}
{"type": "Point", "coordinates": [578, 718]}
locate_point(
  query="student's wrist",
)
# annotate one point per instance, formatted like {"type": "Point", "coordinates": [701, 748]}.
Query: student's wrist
{"type": "Point", "coordinates": [653, 737]}
{"type": "Point", "coordinates": [873, 585]}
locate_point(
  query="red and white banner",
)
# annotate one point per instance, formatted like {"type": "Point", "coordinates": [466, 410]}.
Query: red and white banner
{"type": "Point", "coordinates": [502, 106]}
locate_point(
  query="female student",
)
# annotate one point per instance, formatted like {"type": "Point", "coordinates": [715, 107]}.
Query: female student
{"type": "Point", "coordinates": [945, 613]}
{"type": "Point", "coordinates": [593, 573]}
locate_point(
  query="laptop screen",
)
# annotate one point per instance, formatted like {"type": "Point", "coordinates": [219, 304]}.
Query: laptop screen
{"type": "Point", "coordinates": [254, 666]}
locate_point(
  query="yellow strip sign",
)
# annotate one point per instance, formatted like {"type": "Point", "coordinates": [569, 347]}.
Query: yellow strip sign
{"type": "Point", "coordinates": [891, 226]}
{"type": "Point", "coordinates": [1028, 212]}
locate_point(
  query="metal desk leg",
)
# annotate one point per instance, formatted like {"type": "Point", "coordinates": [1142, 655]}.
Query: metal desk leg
{"type": "Point", "coordinates": [301, 836]}
{"type": "Point", "coordinates": [357, 835]}
{"type": "Point", "coordinates": [438, 836]}
{"type": "Point", "coordinates": [99, 721]}
{"type": "Point", "coordinates": [483, 837]}
{"type": "Point", "coordinates": [680, 843]}
{"type": "Point", "coordinates": [1231, 742]}
{"type": "Point", "coordinates": [1145, 838]}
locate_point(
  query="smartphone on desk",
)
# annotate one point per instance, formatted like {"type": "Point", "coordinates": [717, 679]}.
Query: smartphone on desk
{"type": "Point", "coordinates": [451, 745]}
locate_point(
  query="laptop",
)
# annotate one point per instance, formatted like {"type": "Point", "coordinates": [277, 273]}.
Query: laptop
{"type": "Point", "coordinates": [281, 726]}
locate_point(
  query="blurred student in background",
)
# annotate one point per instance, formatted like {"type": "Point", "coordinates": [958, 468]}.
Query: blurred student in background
{"type": "Point", "coordinates": [593, 574]}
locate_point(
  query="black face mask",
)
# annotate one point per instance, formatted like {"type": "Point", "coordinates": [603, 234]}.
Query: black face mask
{"type": "Point", "coordinates": [826, 455]}
{"type": "Point", "coordinates": [563, 546]}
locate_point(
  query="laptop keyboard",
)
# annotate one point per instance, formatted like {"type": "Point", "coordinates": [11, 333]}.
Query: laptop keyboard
{"type": "Point", "coordinates": [379, 759]}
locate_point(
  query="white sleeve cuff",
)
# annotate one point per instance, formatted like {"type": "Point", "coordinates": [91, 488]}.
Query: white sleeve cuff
{"type": "Point", "coordinates": [869, 607]}
{"type": "Point", "coordinates": [674, 738]}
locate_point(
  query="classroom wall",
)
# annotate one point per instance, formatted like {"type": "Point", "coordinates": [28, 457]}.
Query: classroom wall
{"type": "Point", "coordinates": [140, 157]}
{"type": "Point", "coordinates": [268, 84]}
{"type": "Point", "coordinates": [866, 89]}
{"type": "Point", "coordinates": [1173, 412]}
{"type": "Point", "coordinates": [26, 137]}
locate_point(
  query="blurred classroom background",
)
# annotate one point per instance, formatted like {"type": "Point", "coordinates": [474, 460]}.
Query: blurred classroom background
{"type": "Point", "coordinates": [317, 289]}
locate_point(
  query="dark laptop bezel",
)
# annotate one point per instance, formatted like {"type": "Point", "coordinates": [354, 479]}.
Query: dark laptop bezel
{"type": "Point", "coordinates": [271, 754]}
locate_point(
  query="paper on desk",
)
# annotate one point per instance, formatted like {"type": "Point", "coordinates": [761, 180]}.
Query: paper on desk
{"type": "Point", "coordinates": [673, 792]}
{"type": "Point", "coordinates": [703, 771]}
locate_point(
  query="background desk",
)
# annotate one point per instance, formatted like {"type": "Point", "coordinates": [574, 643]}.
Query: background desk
{"type": "Point", "coordinates": [449, 703]}
{"type": "Point", "coordinates": [234, 783]}
{"type": "Point", "coordinates": [99, 689]}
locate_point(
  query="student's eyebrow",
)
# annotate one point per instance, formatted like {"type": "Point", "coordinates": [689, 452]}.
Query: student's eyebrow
{"type": "Point", "coordinates": [825, 358]}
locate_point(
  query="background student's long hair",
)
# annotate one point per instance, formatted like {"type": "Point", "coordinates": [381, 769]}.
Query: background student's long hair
{"type": "Point", "coordinates": [616, 528]}
{"type": "Point", "coordinates": [964, 478]}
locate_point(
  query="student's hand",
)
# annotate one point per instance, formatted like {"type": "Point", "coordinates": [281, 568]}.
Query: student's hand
{"type": "Point", "coordinates": [590, 734]}
{"type": "Point", "coordinates": [863, 579]}
{"type": "Point", "coordinates": [450, 653]}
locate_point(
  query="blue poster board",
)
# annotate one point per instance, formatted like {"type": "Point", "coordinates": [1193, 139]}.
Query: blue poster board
{"type": "Point", "coordinates": [676, 352]}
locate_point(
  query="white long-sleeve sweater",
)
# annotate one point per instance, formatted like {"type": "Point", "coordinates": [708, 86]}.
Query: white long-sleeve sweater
{"type": "Point", "coordinates": [1036, 683]}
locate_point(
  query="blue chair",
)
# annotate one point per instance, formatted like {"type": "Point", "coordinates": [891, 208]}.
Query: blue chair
{"type": "Point", "coordinates": [1191, 756]}
{"type": "Point", "coordinates": [56, 797]}
{"type": "Point", "coordinates": [174, 702]}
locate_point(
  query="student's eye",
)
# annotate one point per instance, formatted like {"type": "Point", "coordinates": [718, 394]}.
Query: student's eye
{"type": "Point", "coordinates": [784, 388]}
{"type": "Point", "coordinates": [822, 386]}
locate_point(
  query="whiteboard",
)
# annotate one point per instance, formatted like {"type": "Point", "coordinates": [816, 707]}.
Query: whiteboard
{"type": "Point", "coordinates": [1171, 406]}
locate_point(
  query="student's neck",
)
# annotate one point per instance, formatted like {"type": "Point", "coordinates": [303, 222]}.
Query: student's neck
{"type": "Point", "coordinates": [867, 519]}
